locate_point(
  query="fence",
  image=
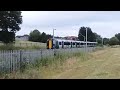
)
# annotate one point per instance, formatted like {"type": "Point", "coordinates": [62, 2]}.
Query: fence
{"type": "Point", "coordinates": [13, 59]}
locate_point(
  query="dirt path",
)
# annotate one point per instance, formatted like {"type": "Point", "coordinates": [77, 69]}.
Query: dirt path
{"type": "Point", "coordinates": [101, 64]}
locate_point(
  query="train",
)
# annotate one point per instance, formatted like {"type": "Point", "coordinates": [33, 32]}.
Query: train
{"type": "Point", "coordinates": [62, 43]}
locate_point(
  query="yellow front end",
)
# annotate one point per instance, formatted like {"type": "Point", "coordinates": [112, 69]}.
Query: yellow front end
{"type": "Point", "coordinates": [50, 44]}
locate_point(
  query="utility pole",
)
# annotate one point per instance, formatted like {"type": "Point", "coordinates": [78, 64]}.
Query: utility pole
{"type": "Point", "coordinates": [83, 36]}
{"type": "Point", "coordinates": [53, 33]}
{"type": "Point", "coordinates": [54, 42]}
{"type": "Point", "coordinates": [86, 39]}
{"type": "Point", "coordinates": [102, 41]}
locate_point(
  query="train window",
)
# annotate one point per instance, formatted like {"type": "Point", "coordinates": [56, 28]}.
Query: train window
{"type": "Point", "coordinates": [59, 43]}
{"type": "Point", "coordinates": [77, 43]}
{"type": "Point", "coordinates": [73, 43]}
{"type": "Point", "coordinates": [81, 43]}
{"type": "Point", "coordinates": [66, 43]}
{"type": "Point", "coordinates": [84, 43]}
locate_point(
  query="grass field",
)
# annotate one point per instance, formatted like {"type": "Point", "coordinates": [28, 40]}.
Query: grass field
{"type": "Point", "coordinates": [24, 45]}
{"type": "Point", "coordinates": [29, 44]}
{"type": "Point", "coordinates": [101, 64]}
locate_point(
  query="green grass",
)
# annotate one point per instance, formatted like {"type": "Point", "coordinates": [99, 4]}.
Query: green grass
{"type": "Point", "coordinates": [37, 70]}
{"type": "Point", "coordinates": [102, 64]}
{"type": "Point", "coordinates": [23, 45]}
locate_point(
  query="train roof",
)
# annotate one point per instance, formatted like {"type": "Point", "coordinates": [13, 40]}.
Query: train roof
{"type": "Point", "coordinates": [67, 40]}
{"type": "Point", "coordinates": [60, 40]}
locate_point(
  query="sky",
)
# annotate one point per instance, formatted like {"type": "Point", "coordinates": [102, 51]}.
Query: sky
{"type": "Point", "coordinates": [67, 23]}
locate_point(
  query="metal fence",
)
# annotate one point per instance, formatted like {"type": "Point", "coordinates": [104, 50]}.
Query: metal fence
{"type": "Point", "coordinates": [11, 60]}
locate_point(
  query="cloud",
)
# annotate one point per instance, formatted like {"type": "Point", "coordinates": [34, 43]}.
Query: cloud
{"type": "Point", "coordinates": [105, 23]}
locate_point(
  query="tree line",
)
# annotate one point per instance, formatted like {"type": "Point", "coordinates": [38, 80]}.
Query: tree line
{"type": "Point", "coordinates": [94, 37]}
{"type": "Point", "coordinates": [91, 36]}
{"type": "Point", "coordinates": [37, 36]}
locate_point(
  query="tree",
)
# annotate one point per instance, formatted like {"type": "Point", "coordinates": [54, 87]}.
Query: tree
{"type": "Point", "coordinates": [82, 33]}
{"type": "Point", "coordinates": [8, 36]}
{"type": "Point", "coordinates": [114, 41]}
{"type": "Point", "coordinates": [43, 37]}
{"type": "Point", "coordinates": [105, 41]}
{"type": "Point", "coordinates": [9, 22]}
{"type": "Point", "coordinates": [48, 36]}
{"type": "Point", "coordinates": [98, 38]}
{"type": "Point", "coordinates": [90, 35]}
{"type": "Point", "coordinates": [34, 36]}
{"type": "Point", "coordinates": [118, 37]}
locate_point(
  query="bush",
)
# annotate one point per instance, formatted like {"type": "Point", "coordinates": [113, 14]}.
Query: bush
{"type": "Point", "coordinates": [114, 41]}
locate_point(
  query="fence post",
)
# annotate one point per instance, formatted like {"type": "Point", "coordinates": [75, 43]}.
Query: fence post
{"type": "Point", "coordinates": [41, 54]}
{"type": "Point", "coordinates": [54, 52]}
{"type": "Point", "coordinates": [20, 60]}
{"type": "Point", "coordinates": [41, 57]}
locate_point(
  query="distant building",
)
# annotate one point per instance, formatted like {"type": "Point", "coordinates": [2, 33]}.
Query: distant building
{"type": "Point", "coordinates": [22, 38]}
{"type": "Point", "coordinates": [71, 38]}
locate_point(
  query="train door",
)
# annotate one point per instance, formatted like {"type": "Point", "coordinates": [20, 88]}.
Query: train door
{"type": "Point", "coordinates": [79, 44]}
{"type": "Point", "coordinates": [71, 44]}
{"type": "Point", "coordinates": [56, 45]}
{"type": "Point", "coordinates": [62, 44]}
{"type": "Point", "coordinates": [76, 44]}
{"type": "Point", "coordinates": [53, 43]}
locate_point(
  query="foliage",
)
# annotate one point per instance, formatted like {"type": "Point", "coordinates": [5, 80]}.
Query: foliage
{"type": "Point", "coordinates": [9, 22]}
{"type": "Point", "coordinates": [43, 37]}
{"type": "Point", "coordinates": [113, 41]}
{"type": "Point", "coordinates": [98, 38]}
{"type": "Point", "coordinates": [82, 34]}
{"type": "Point", "coordinates": [105, 41]}
{"type": "Point", "coordinates": [118, 37]}
{"type": "Point", "coordinates": [36, 36]}
{"type": "Point", "coordinates": [7, 37]}
{"type": "Point", "coordinates": [82, 31]}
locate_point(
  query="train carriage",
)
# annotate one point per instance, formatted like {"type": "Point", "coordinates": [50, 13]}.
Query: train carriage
{"type": "Point", "coordinates": [61, 43]}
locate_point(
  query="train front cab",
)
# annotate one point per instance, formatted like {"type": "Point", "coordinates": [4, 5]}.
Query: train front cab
{"type": "Point", "coordinates": [49, 44]}
{"type": "Point", "coordinates": [52, 44]}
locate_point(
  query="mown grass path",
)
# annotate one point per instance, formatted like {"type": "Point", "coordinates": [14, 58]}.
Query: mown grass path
{"type": "Point", "coordinates": [102, 64]}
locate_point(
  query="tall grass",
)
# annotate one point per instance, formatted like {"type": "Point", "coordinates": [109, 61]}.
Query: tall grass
{"type": "Point", "coordinates": [9, 47]}
{"type": "Point", "coordinates": [52, 63]}
{"type": "Point", "coordinates": [13, 47]}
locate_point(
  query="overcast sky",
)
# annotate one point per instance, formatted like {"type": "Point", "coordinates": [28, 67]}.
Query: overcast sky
{"type": "Point", "coordinates": [67, 23]}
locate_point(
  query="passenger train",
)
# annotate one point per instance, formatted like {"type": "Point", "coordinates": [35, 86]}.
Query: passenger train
{"type": "Point", "coordinates": [62, 43]}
